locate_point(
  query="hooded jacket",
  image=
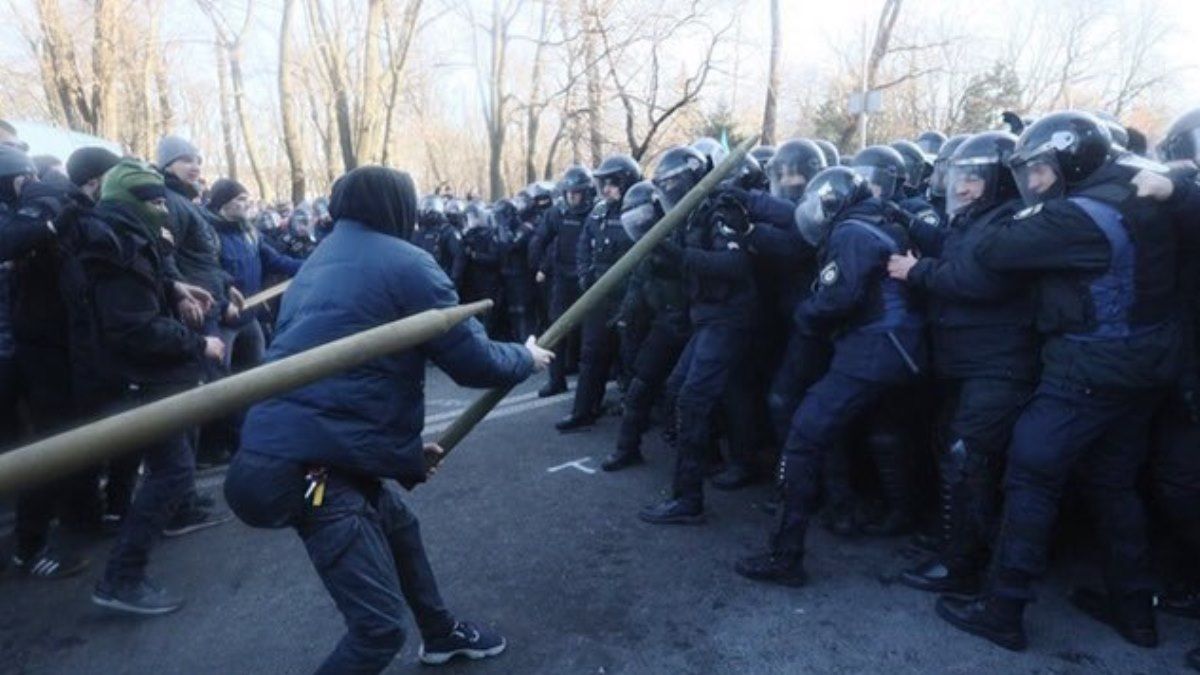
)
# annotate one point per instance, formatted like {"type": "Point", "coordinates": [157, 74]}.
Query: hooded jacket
{"type": "Point", "coordinates": [368, 420]}
{"type": "Point", "coordinates": [196, 258]}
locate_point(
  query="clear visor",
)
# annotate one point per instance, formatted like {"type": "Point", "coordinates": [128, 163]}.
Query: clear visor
{"type": "Point", "coordinates": [1183, 148]}
{"type": "Point", "coordinates": [638, 220]}
{"type": "Point", "coordinates": [937, 180]}
{"type": "Point", "coordinates": [915, 173]}
{"type": "Point", "coordinates": [883, 183]}
{"type": "Point", "coordinates": [673, 187]}
{"type": "Point", "coordinates": [476, 219]}
{"type": "Point", "coordinates": [971, 183]}
{"type": "Point", "coordinates": [811, 220]}
{"type": "Point", "coordinates": [1039, 180]}
{"type": "Point", "coordinates": [787, 182]}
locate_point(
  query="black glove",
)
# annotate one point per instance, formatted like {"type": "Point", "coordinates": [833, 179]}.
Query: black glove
{"type": "Point", "coordinates": [729, 217]}
{"type": "Point", "coordinates": [670, 251]}
{"type": "Point", "coordinates": [737, 194]}
{"type": "Point", "coordinates": [897, 214]}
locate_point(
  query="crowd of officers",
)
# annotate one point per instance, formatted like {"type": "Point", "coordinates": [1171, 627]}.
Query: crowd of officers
{"type": "Point", "coordinates": [947, 338]}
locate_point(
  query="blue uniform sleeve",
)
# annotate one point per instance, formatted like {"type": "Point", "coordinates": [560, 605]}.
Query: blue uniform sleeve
{"type": "Point", "coordinates": [583, 253]}
{"type": "Point", "coordinates": [764, 207]}
{"type": "Point", "coordinates": [464, 353]}
{"type": "Point", "coordinates": [543, 236]}
{"type": "Point", "coordinates": [855, 260]}
{"type": "Point", "coordinates": [1057, 236]}
{"type": "Point", "coordinates": [726, 265]}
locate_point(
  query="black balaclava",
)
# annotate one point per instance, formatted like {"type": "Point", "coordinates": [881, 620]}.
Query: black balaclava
{"type": "Point", "coordinates": [384, 200]}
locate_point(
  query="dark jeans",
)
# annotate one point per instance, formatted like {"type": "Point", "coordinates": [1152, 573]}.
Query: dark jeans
{"type": "Point", "coordinates": [1102, 437]}
{"type": "Point", "coordinates": [170, 467]}
{"type": "Point", "coordinates": [364, 543]}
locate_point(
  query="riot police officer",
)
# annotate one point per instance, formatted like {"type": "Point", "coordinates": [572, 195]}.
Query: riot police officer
{"type": "Point", "coordinates": [832, 156]}
{"type": "Point", "coordinates": [1112, 347]}
{"type": "Point", "coordinates": [762, 154]}
{"type": "Point", "coordinates": [552, 253]}
{"type": "Point", "coordinates": [484, 255]}
{"type": "Point", "coordinates": [514, 233]}
{"type": "Point", "coordinates": [656, 290]}
{"type": "Point", "coordinates": [931, 142]}
{"type": "Point", "coordinates": [936, 194]}
{"type": "Point", "coordinates": [723, 310]}
{"type": "Point", "coordinates": [878, 346]}
{"type": "Point", "coordinates": [984, 355]}
{"type": "Point", "coordinates": [601, 243]}
{"type": "Point", "coordinates": [431, 216]}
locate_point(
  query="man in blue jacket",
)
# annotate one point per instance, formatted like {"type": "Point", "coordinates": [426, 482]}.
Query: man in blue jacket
{"type": "Point", "coordinates": [316, 458]}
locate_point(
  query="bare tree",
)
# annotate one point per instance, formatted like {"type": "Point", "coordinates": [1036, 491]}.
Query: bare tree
{"type": "Point", "coordinates": [771, 109]}
{"type": "Point", "coordinates": [291, 134]}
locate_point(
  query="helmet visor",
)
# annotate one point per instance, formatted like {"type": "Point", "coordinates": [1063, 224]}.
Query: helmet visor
{"type": "Point", "coordinates": [811, 220]}
{"type": "Point", "coordinates": [1181, 148]}
{"type": "Point", "coordinates": [883, 182]}
{"type": "Point", "coordinates": [787, 181]}
{"type": "Point", "coordinates": [638, 220]}
{"type": "Point", "coordinates": [674, 185]}
{"type": "Point", "coordinates": [1039, 179]}
{"type": "Point", "coordinates": [937, 180]}
{"type": "Point", "coordinates": [971, 184]}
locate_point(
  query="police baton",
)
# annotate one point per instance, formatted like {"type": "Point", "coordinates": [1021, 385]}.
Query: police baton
{"type": "Point", "coordinates": [605, 285]}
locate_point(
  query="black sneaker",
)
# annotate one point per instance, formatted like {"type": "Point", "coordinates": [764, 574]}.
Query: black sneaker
{"type": "Point", "coordinates": [1131, 615]}
{"type": "Point", "coordinates": [990, 618]}
{"type": "Point", "coordinates": [785, 570]}
{"type": "Point", "coordinates": [467, 640]}
{"type": "Point", "coordinates": [49, 564]}
{"type": "Point", "coordinates": [673, 512]}
{"type": "Point", "coordinates": [137, 597]}
{"type": "Point", "coordinates": [189, 520]}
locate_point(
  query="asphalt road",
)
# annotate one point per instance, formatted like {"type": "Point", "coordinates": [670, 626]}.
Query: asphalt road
{"type": "Point", "coordinates": [528, 536]}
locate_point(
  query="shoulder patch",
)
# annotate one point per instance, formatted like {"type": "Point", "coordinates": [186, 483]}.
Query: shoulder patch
{"type": "Point", "coordinates": [930, 218]}
{"type": "Point", "coordinates": [829, 274]}
{"type": "Point", "coordinates": [1028, 211]}
{"type": "Point", "coordinates": [458, 235]}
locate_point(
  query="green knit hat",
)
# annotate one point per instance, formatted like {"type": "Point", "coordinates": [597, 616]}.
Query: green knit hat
{"type": "Point", "coordinates": [133, 183]}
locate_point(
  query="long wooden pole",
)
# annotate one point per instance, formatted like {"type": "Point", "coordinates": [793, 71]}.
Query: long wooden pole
{"type": "Point", "coordinates": [92, 443]}
{"type": "Point", "coordinates": [605, 285]}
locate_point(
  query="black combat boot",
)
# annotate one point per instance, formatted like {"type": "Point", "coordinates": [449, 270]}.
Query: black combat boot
{"type": "Point", "coordinates": [575, 421]}
{"type": "Point", "coordinates": [896, 479]}
{"type": "Point", "coordinates": [639, 398]}
{"type": "Point", "coordinates": [552, 389]}
{"type": "Point", "coordinates": [989, 616]}
{"type": "Point", "coordinates": [735, 476]}
{"type": "Point", "coordinates": [1131, 614]}
{"type": "Point", "coordinates": [623, 459]}
{"type": "Point", "coordinates": [949, 571]}
{"type": "Point", "coordinates": [777, 568]}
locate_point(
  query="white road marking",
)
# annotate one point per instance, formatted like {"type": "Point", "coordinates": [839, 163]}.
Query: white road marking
{"type": "Point", "coordinates": [577, 464]}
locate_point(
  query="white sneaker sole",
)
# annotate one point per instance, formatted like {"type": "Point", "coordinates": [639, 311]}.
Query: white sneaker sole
{"type": "Point", "coordinates": [117, 605]}
{"type": "Point", "coordinates": [440, 658]}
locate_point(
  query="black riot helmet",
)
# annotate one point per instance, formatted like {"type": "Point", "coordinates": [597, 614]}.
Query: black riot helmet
{"type": "Point", "coordinates": [930, 142]}
{"type": "Point", "coordinates": [577, 180]}
{"type": "Point", "coordinates": [1120, 137]}
{"type": "Point", "coordinates": [883, 167]}
{"type": "Point", "coordinates": [677, 172]}
{"type": "Point", "coordinates": [711, 148]}
{"type": "Point", "coordinates": [763, 154]}
{"type": "Point", "coordinates": [832, 156]}
{"type": "Point", "coordinates": [978, 177]}
{"type": "Point", "coordinates": [827, 197]}
{"type": "Point", "coordinates": [641, 209]}
{"type": "Point", "coordinates": [619, 170]}
{"type": "Point", "coordinates": [1182, 140]}
{"type": "Point", "coordinates": [476, 215]}
{"type": "Point", "coordinates": [13, 164]}
{"type": "Point", "coordinates": [937, 179]}
{"type": "Point", "coordinates": [431, 205]}
{"type": "Point", "coordinates": [794, 164]}
{"type": "Point", "coordinates": [917, 164]}
{"type": "Point", "coordinates": [1058, 151]}
{"type": "Point", "coordinates": [748, 176]}
{"type": "Point", "coordinates": [455, 212]}
{"type": "Point", "coordinates": [541, 195]}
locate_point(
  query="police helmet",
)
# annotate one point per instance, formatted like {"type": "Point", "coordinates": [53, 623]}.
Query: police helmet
{"type": "Point", "coordinates": [978, 177]}
{"type": "Point", "coordinates": [826, 197]}
{"type": "Point", "coordinates": [677, 172]}
{"type": "Point", "coordinates": [883, 167]}
{"type": "Point", "coordinates": [1058, 151]}
{"type": "Point", "coordinates": [641, 209]}
{"type": "Point", "coordinates": [794, 164]}
{"type": "Point", "coordinates": [937, 179]}
{"type": "Point", "coordinates": [619, 170]}
{"type": "Point", "coordinates": [1182, 141]}
{"type": "Point", "coordinates": [832, 156]}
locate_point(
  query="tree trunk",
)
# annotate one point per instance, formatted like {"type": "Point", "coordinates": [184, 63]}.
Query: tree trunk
{"type": "Point", "coordinates": [66, 83]}
{"type": "Point", "coordinates": [239, 104]}
{"type": "Point", "coordinates": [594, 92]}
{"type": "Point", "coordinates": [772, 106]}
{"type": "Point", "coordinates": [533, 112]}
{"type": "Point", "coordinates": [368, 131]}
{"type": "Point", "coordinates": [291, 137]}
{"type": "Point", "coordinates": [497, 127]}
{"type": "Point", "coordinates": [104, 46]}
{"type": "Point", "coordinates": [223, 106]}
{"type": "Point", "coordinates": [398, 57]}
